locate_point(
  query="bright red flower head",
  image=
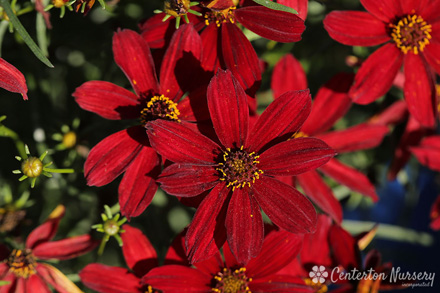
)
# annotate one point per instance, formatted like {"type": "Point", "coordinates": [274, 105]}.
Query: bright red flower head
{"type": "Point", "coordinates": [22, 268]}
{"type": "Point", "coordinates": [240, 170]}
{"type": "Point", "coordinates": [229, 275]}
{"type": "Point", "coordinates": [411, 33]}
{"type": "Point", "coordinates": [129, 150]}
{"type": "Point", "coordinates": [12, 79]}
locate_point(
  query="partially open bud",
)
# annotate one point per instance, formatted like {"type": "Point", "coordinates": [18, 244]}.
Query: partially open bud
{"type": "Point", "coordinates": [32, 167]}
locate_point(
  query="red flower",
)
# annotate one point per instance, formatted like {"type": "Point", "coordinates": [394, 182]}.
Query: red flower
{"type": "Point", "coordinates": [428, 152]}
{"type": "Point", "coordinates": [22, 268]}
{"type": "Point", "coordinates": [240, 170]}
{"type": "Point", "coordinates": [228, 275]}
{"type": "Point", "coordinates": [435, 214]}
{"type": "Point", "coordinates": [411, 30]}
{"type": "Point", "coordinates": [129, 150]}
{"type": "Point", "coordinates": [11, 79]}
{"type": "Point", "coordinates": [140, 256]}
{"type": "Point", "coordinates": [330, 104]}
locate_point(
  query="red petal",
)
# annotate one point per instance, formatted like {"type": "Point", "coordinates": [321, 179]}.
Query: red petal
{"type": "Point", "coordinates": [316, 189]}
{"type": "Point", "coordinates": [359, 137]}
{"type": "Point", "coordinates": [392, 115]}
{"type": "Point", "coordinates": [107, 100]}
{"type": "Point", "coordinates": [109, 158]}
{"type": "Point", "coordinates": [240, 58]}
{"type": "Point", "coordinates": [355, 28]}
{"type": "Point", "coordinates": [229, 110]}
{"type": "Point", "coordinates": [315, 248]}
{"type": "Point", "coordinates": [385, 10]}
{"type": "Point", "coordinates": [108, 279]}
{"type": "Point", "coordinates": [280, 283]}
{"type": "Point", "coordinates": [177, 279]}
{"type": "Point", "coordinates": [157, 32]}
{"type": "Point", "coordinates": [211, 48]}
{"type": "Point", "coordinates": [330, 103]}
{"type": "Point", "coordinates": [184, 52]}
{"type": "Point", "coordinates": [181, 144]}
{"type": "Point", "coordinates": [206, 232]}
{"type": "Point", "coordinates": [138, 185]}
{"type": "Point", "coordinates": [244, 226]}
{"type": "Point", "coordinates": [46, 231]}
{"type": "Point", "coordinates": [11, 287]}
{"type": "Point", "coordinates": [419, 90]}
{"type": "Point", "coordinates": [133, 56]}
{"type": "Point", "coordinates": [299, 5]}
{"type": "Point", "coordinates": [350, 177]}
{"type": "Point", "coordinates": [11, 79]}
{"type": "Point", "coordinates": [295, 156]}
{"type": "Point", "coordinates": [345, 248]}
{"type": "Point", "coordinates": [282, 118]}
{"type": "Point", "coordinates": [434, 215]}
{"type": "Point", "coordinates": [279, 249]}
{"type": "Point", "coordinates": [271, 24]}
{"type": "Point", "coordinates": [285, 206]}
{"type": "Point", "coordinates": [35, 285]}
{"type": "Point", "coordinates": [56, 279]}
{"type": "Point", "coordinates": [429, 10]}
{"type": "Point", "coordinates": [376, 74]}
{"type": "Point", "coordinates": [188, 180]}
{"type": "Point", "coordinates": [432, 56]}
{"type": "Point", "coordinates": [138, 251]}
{"type": "Point", "coordinates": [288, 75]}
{"type": "Point", "coordinates": [428, 153]}
{"type": "Point", "coordinates": [66, 248]}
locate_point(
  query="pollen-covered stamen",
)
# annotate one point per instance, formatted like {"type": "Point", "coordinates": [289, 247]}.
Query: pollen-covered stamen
{"type": "Point", "coordinates": [22, 263]}
{"type": "Point", "coordinates": [411, 33]}
{"type": "Point", "coordinates": [176, 7]}
{"type": "Point", "coordinates": [160, 107]}
{"type": "Point", "coordinates": [239, 168]}
{"type": "Point", "coordinates": [150, 289]}
{"type": "Point", "coordinates": [220, 16]}
{"type": "Point", "coordinates": [231, 281]}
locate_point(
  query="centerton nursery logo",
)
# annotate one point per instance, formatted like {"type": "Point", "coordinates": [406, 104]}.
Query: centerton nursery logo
{"type": "Point", "coordinates": [319, 276]}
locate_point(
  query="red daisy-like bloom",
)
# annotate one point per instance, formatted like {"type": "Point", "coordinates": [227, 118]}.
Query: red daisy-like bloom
{"type": "Point", "coordinates": [412, 32]}
{"type": "Point", "coordinates": [224, 43]}
{"type": "Point", "coordinates": [12, 79]}
{"type": "Point", "coordinates": [140, 256]}
{"type": "Point", "coordinates": [240, 170]}
{"type": "Point", "coordinates": [22, 268]}
{"type": "Point", "coordinates": [229, 275]}
{"type": "Point", "coordinates": [330, 104]}
{"type": "Point", "coordinates": [129, 150]}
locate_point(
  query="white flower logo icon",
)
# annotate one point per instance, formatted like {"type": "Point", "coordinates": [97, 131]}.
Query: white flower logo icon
{"type": "Point", "coordinates": [318, 274]}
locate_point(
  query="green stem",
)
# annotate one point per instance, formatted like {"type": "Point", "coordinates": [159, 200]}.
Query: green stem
{"type": "Point", "coordinates": [3, 27]}
{"type": "Point", "coordinates": [59, 170]}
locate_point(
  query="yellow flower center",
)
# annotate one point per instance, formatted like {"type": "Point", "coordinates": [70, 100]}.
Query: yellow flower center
{"type": "Point", "coordinates": [69, 139]}
{"type": "Point", "coordinates": [239, 168]}
{"type": "Point", "coordinates": [176, 8]}
{"type": "Point", "coordinates": [411, 33]}
{"type": "Point", "coordinates": [220, 16]}
{"type": "Point", "coordinates": [231, 281]}
{"type": "Point", "coordinates": [32, 167]}
{"type": "Point", "coordinates": [22, 263]}
{"type": "Point", "coordinates": [317, 287]}
{"type": "Point", "coordinates": [160, 107]}
{"type": "Point", "coordinates": [58, 3]}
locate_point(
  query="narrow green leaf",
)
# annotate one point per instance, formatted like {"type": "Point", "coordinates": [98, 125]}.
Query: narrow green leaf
{"type": "Point", "coordinates": [23, 33]}
{"type": "Point", "coordinates": [41, 34]}
{"type": "Point", "coordinates": [275, 6]}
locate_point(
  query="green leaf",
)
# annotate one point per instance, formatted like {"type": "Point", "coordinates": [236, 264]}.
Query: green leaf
{"type": "Point", "coordinates": [23, 33]}
{"type": "Point", "coordinates": [275, 6]}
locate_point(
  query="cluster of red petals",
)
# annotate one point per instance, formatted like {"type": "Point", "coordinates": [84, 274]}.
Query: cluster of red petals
{"type": "Point", "coordinates": [129, 150]}
{"type": "Point", "coordinates": [330, 104]}
{"type": "Point", "coordinates": [40, 247]}
{"type": "Point", "coordinates": [12, 79]}
{"type": "Point", "coordinates": [377, 73]}
{"type": "Point", "coordinates": [233, 213]}
{"type": "Point", "coordinates": [278, 250]}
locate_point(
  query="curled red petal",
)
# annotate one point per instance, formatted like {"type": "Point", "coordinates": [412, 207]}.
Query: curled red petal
{"type": "Point", "coordinates": [244, 226]}
{"type": "Point", "coordinates": [271, 24]}
{"type": "Point", "coordinates": [428, 153]}
{"type": "Point", "coordinates": [138, 251]}
{"type": "Point", "coordinates": [285, 206]}
{"type": "Point", "coordinates": [376, 74]}
{"type": "Point", "coordinates": [345, 248]}
{"type": "Point", "coordinates": [66, 248]}
{"type": "Point", "coordinates": [46, 231]}
{"type": "Point", "coordinates": [11, 79]}
{"type": "Point", "coordinates": [56, 279]}
{"type": "Point", "coordinates": [107, 100]}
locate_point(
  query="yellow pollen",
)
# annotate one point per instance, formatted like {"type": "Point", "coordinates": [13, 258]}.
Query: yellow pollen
{"type": "Point", "coordinates": [299, 134]}
{"type": "Point", "coordinates": [220, 16]}
{"type": "Point", "coordinates": [160, 107]}
{"type": "Point", "coordinates": [22, 263]}
{"type": "Point", "coordinates": [411, 34]}
{"type": "Point", "coordinates": [228, 281]}
{"type": "Point", "coordinates": [317, 287]}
